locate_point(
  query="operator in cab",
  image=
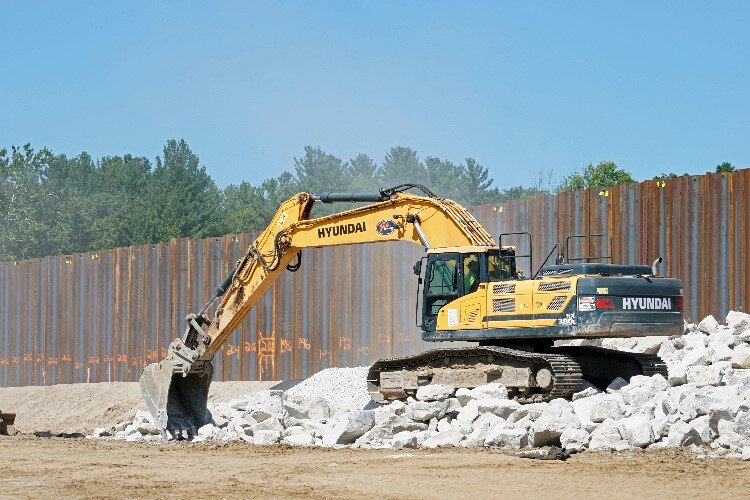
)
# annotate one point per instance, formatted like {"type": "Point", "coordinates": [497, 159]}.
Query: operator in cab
{"type": "Point", "coordinates": [471, 276]}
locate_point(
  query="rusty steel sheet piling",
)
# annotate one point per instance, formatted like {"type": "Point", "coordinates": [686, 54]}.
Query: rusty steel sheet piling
{"type": "Point", "coordinates": [102, 316]}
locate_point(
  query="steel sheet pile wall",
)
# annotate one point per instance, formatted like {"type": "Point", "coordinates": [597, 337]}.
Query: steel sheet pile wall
{"type": "Point", "coordinates": [700, 225]}
{"type": "Point", "coordinates": [102, 316]}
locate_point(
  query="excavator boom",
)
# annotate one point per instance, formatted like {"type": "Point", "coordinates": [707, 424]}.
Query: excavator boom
{"type": "Point", "coordinates": [176, 389]}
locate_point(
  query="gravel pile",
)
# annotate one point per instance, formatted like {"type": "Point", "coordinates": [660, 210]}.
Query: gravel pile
{"type": "Point", "coordinates": [343, 388]}
{"type": "Point", "coordinates": [704, 403]}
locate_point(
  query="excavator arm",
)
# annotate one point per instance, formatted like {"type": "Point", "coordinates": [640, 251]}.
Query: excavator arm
{"type": "Point", "coordinates": [176, 390]}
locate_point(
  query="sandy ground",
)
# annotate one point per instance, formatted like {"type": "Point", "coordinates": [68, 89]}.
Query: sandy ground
{"type": "Point", "coordinates": [55, 467]}
{"type": "Point", "coordinates": [83, 407]}
{"type": "Point", "coordinates": [33, 467]}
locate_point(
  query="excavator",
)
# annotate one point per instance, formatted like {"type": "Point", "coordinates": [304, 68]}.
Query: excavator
{"type": "Point", "coordinates": [470, 289]}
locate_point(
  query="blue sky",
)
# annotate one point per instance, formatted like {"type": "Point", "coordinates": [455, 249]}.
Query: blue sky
{"type": "Point", "coordinates": [521, 86]}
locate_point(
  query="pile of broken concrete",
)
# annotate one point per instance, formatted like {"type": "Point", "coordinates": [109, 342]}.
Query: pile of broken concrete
{"type": "Point", "coordinates": [704, 403]}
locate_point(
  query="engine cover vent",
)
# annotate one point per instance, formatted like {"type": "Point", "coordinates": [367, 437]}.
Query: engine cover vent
{"type": "Point", "coordinates": [557, 303]}
{"type": "Point", "coordinates": [557, 272]}
{"type": "Point", "coordinates": [503, 305]}
{"type": "Point", "coordinates": [554, 286]}
{"type": "Point", "coordinates": [504, 288]}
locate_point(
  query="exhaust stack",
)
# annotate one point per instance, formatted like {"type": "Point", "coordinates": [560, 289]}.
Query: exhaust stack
{"type": "Point", "coordinates": [654, 269]}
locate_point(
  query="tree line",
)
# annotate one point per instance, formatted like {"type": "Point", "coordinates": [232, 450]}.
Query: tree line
{"type": "Point", "coordinates": [54, 204]}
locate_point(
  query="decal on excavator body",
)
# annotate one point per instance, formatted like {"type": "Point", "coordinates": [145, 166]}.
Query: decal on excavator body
{"type": "Point", "coordinates": [325, 232]}
{"type": "Point", "coordinates": [386, 227]}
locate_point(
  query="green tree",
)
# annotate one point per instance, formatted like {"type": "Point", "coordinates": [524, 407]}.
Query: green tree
{"type": "Point", "coordinates": [250, 208]}
{"type": "Point", "coordinates": [401, 165]}
{"type": "Point", "coordinates": [72, 182]}
{"type": "Point", "coordinates": [319, 172]}
{"type": "Point", "coordinates": [519, 193]}
{"type": "Point", "coordinates": [362, 166]}
{"type": "Point", "coordinates": [361, 171]}
{"type": "Point", "coordinates": [477, 181]}
{"type": "Point", "coordinates": [605, 174]}
{"type": "Point", "coordinates": [243, 207]}
{"type": "Point", "coordinates": [121, 203]}
{"type": "Point", "coordinates": [445, 178]}
{"type": "Point", "coordinates": [725, 167]}
{"type": "Point", "coordinates": [28, 208]}
{"type": "Point", "coordinates": [54, 204]}
{"type": "Point", "coordinates": [183, 199]}
{"type": "Point", "coordinates": [274, 191]}
{"type": "Point", "coordinates": [668, 176]}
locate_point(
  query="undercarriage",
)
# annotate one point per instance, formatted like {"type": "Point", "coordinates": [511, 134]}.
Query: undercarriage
{"type": "Point", "coordinates": [530, 372]}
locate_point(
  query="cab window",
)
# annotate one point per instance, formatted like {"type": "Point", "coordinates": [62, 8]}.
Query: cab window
{"type": "Point", "coordinates": [500, 269]}
{"type": "Point", "coordinates": [442, 277]}
{"type": "Point", "coordinates": [471, 272]}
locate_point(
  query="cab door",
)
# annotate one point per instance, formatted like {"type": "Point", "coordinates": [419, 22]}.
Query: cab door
{"type": "Point", "coordinates": [442, 285]}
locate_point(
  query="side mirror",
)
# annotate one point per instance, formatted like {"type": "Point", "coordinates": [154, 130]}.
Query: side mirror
{"type": "Point", "coordinates": [418, 268]}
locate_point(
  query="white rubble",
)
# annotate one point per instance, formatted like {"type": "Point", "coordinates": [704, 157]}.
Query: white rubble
{"type": "Point", "coordinates": [636, 429]}
{"type": "Point", "coordinates": [708, 324]}
{"type": "Point", "coordinates": [404, 439]}
{"type": "Point", "coordinates": [503, 408]}
{"type": "Point", "coordinates": [703, 404]}
{"type": "Point", "coordinates": [434, 392]}
{"type": "Point", "coordinates": [605, 408]}
{"type": "Point", "coordinates": [101, 432]}
{"type": "Point", "coordinates": [496, 391]}
{"type": "Point", "coordinates": [349, 427]}
{"type": "Point", "coordinates": [299, 438]}
{"type": "Point", "coordinates": [741, 356]}
{"type": "Point", "coordinates": [607, 437]}
{"type": "Point", "coordinates": [343, 388]}
{"type": "Point", "coordinates": [306, 408]}
{"type": "Point", "coordinates": [447, 438]}
{"type": "Point", "coordinates": [558, 417]}
{"type": "Point", "coordinates": [574, 439]}
{"type": "Point", "coordinates": [507, 438]}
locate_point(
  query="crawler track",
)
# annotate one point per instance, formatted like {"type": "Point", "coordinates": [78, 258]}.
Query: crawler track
{"type": "Point", "coordinates": [604, 365]}
{"type": "Point", "coordinates": [566, 375]}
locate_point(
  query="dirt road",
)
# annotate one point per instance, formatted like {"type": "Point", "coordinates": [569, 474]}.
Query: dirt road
{"type": "Point", "coordinates": [31, 467]}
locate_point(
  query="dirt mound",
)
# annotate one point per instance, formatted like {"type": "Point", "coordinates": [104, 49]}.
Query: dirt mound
{"type": "Point", "coordinates": [83, 407]}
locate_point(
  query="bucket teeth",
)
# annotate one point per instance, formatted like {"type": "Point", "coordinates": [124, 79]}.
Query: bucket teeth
{"type": "Point", "coordinates": [178, 402]}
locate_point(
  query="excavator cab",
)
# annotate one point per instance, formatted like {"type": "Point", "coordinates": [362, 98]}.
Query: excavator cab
{"type": "Point", "coordinates": [453, 273]}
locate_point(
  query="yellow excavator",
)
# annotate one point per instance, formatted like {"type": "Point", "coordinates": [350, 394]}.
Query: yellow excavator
{"type": "Point", "coordinates": [470, 289]}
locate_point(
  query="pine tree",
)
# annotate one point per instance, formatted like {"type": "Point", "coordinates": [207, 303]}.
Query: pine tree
{"type": "Point", "coordinates": [401, 166]}
{"type": "Point", "coordinates": [477, 182]}
{"type": "Point", "coordinates": [319, 172]}
{"type": "Point", "coordinates": [362, 170]}
{"type": "Point", "coordinates": [445, 178]}
{"type": "Point", "coordinates": [183, 199]}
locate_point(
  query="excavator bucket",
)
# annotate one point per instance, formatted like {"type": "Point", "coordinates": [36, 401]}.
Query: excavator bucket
{"type": "Point", "coordinates": [177, 402]}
